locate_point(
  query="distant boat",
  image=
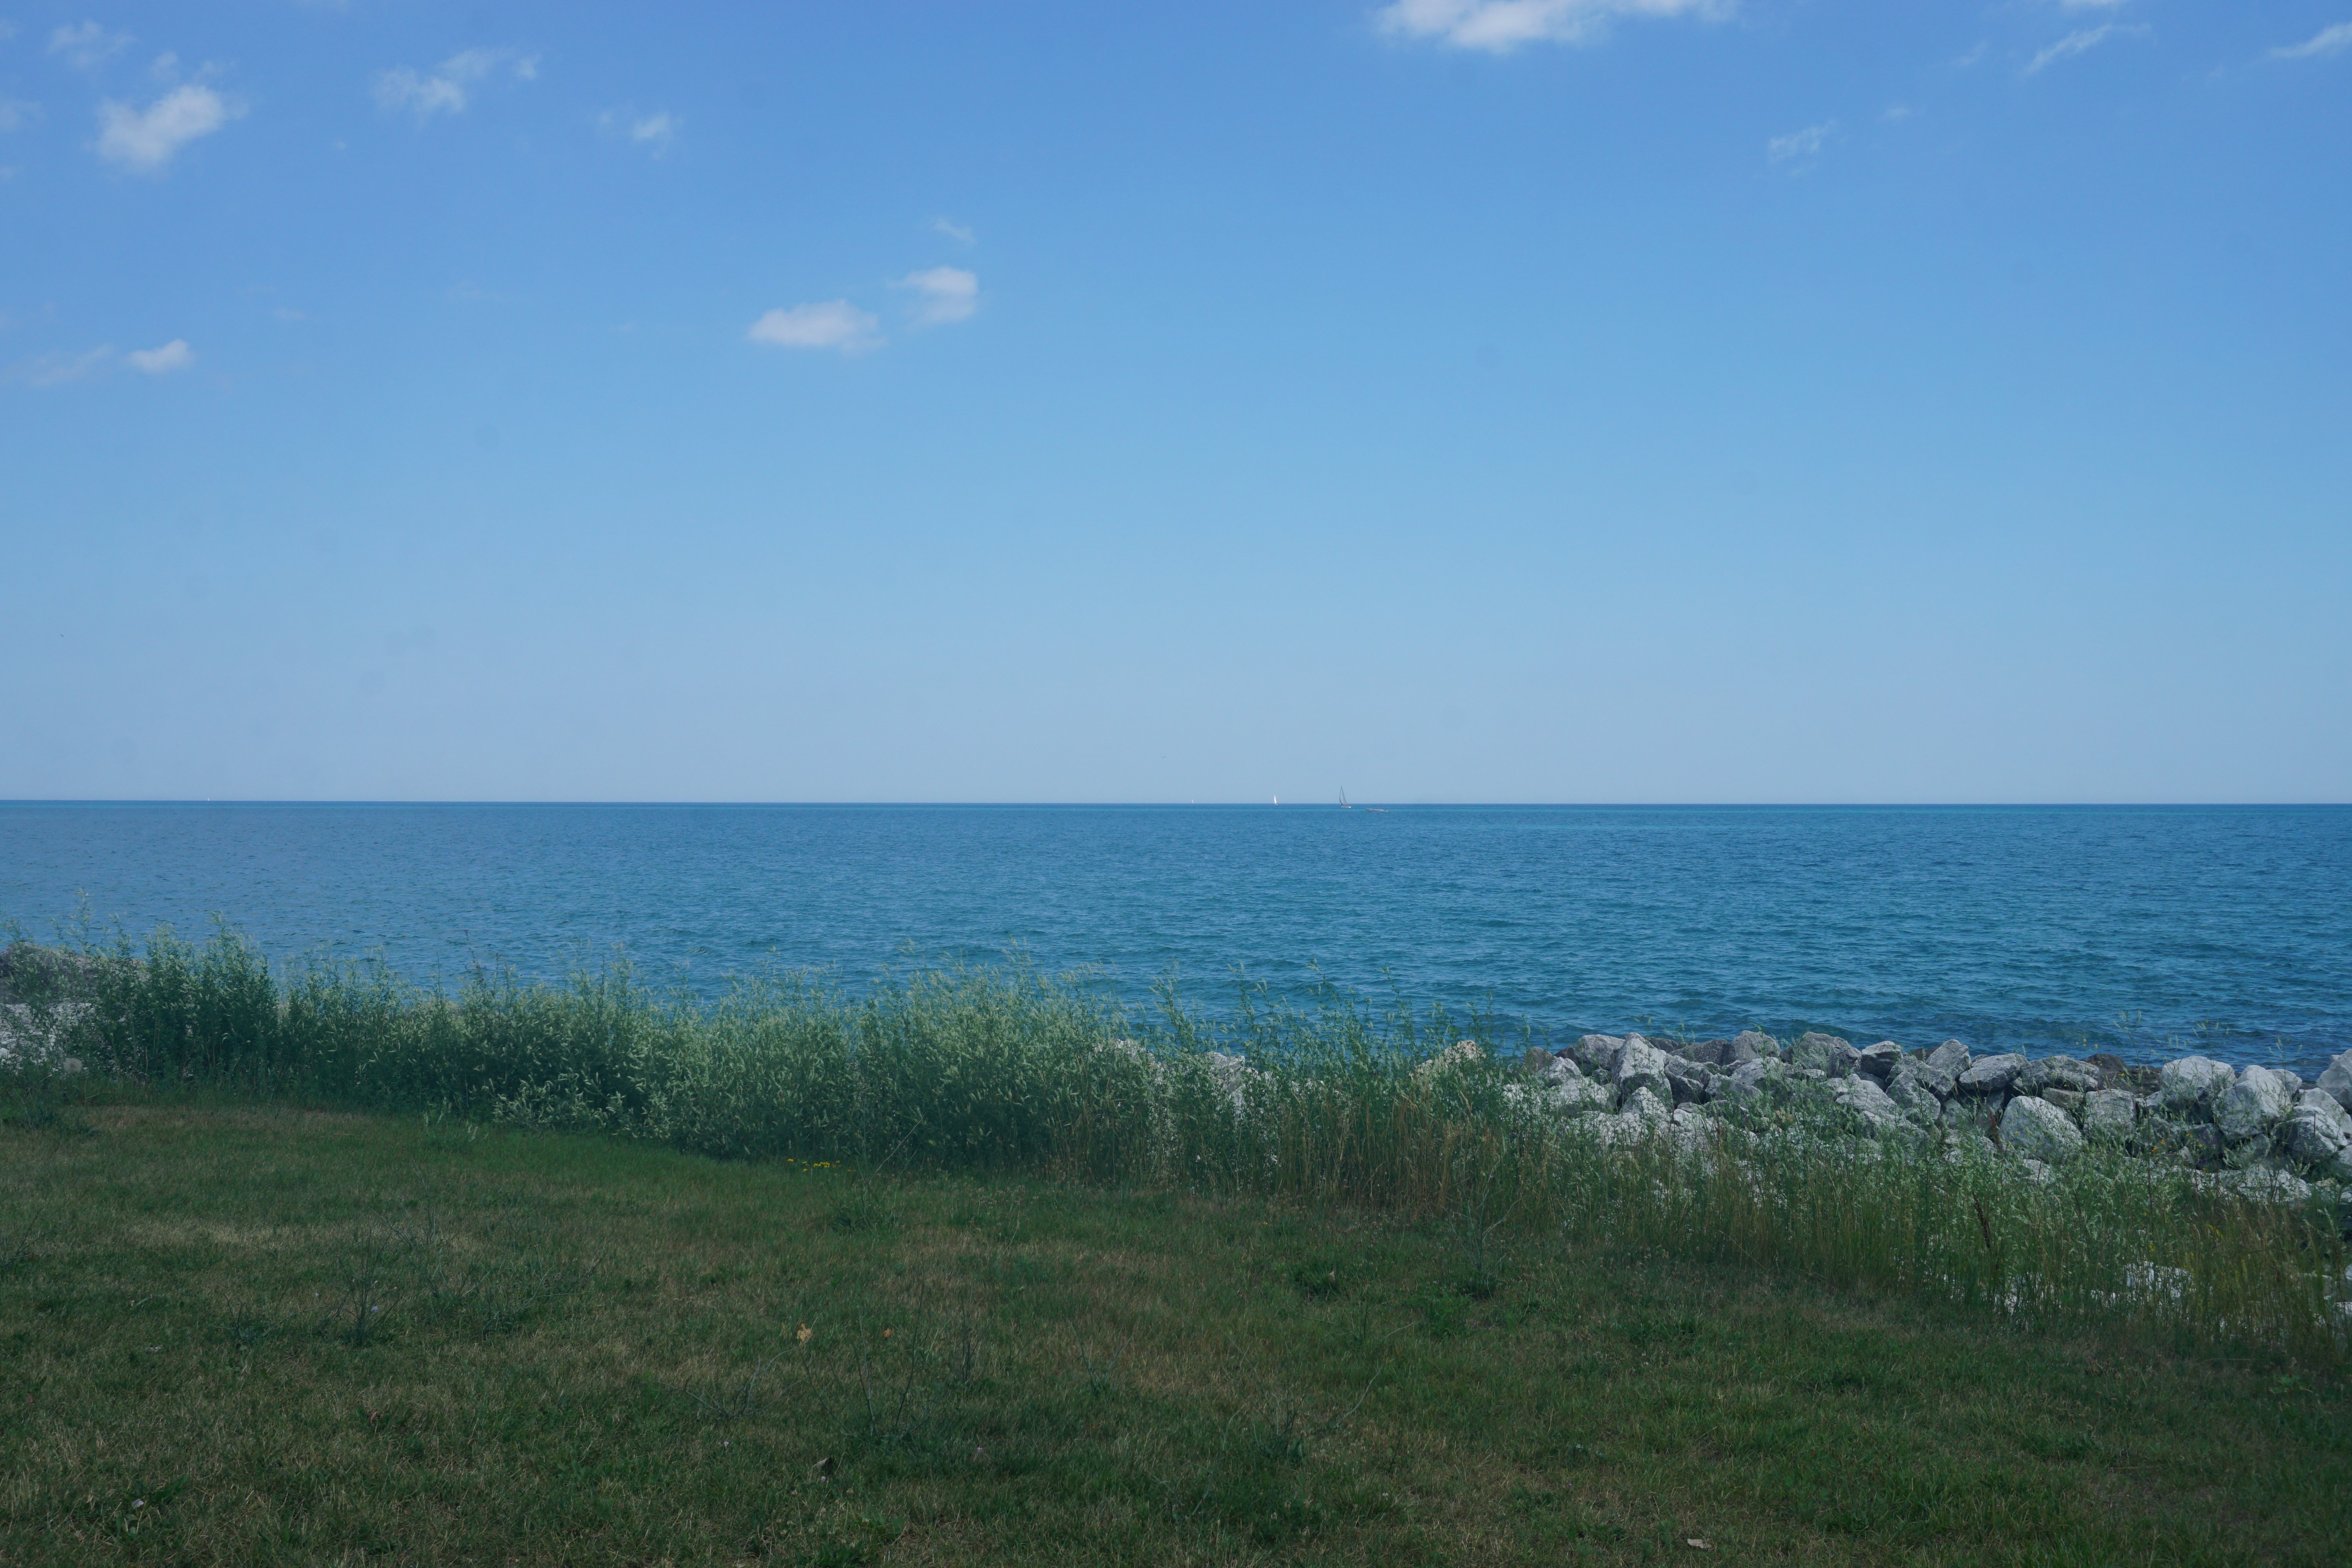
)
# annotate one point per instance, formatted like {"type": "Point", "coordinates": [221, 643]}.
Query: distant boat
{"type": "Point", "coordinates": [1343, 799]}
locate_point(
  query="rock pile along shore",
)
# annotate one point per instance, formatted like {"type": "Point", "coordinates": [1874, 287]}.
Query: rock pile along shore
{"type": "Point", "coordinates": [2256, 1127]}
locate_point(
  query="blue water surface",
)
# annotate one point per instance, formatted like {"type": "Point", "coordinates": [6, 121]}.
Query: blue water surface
{"type": "Point", "coordinates": [2146, 931]}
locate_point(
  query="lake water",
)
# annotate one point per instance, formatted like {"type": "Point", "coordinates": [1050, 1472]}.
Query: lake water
{"type": "Point", "coordinates": [2149, 932]}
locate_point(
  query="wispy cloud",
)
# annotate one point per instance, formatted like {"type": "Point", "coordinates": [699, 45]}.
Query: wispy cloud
{"type": "Point", "coordinates": [2078, 42]}
{"type": "Point", "coordinates": [58, 367]}
{"type": "Point", "coordinates": [16, 111]}
{"type": "Point", "coordinates": [656, 132]}
{"type": "Point", "coordinates": [1797, 144]}
{"type": "Point", "coordinates": [1499, 27]}
{"type": "Point", "coordinates": [173, 355]}
{"type": "Point", "coordinates": [960, 233]}
{"type": "Point", "coordinates": [144, 140]}
{"type": "Point", "coordinates": [448, 87]}
{"type": "Point", "coordinates": [830, 324]}
{"type": "Point", "coordinates": [943, 294]}
{"type": "Point", "coordinates": [87, 46]}
{"type": "Point", "coordinates": [2327, 41]}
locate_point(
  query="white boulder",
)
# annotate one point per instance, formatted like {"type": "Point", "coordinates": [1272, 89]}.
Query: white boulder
{"type": "Point", "coordinates": [2258, 1101]}
{"type": "Point", "coordinates": [2193, 1083]}
{"type": "Point", "coordinates": [2036, 1129]}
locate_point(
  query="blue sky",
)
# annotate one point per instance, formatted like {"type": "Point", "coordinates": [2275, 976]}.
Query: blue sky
{"type": "Point", "coordinates": [1558, 400]}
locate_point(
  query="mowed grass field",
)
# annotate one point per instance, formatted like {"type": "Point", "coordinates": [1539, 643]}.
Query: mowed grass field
{"type": "Point", "coordinates": [231, 1335]}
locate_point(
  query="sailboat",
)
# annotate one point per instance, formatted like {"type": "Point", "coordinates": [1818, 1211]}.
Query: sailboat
{"type": "Point", "coordinates": [1343, 799]}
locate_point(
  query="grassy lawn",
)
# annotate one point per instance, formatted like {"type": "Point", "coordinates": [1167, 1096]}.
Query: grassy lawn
{"type": "Point", "coordinates": [261, 1335]}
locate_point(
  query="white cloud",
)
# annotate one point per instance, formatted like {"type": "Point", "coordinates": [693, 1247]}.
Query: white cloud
{"type": "Point", "coordinates": [657, 130]}
{"type": "Point", "coordinates": [447, 87]}
{"type": "Point", "coordinates": [144, 141]}
{"type": "Point", "coordinates": [960, 233]}
{"type": "Point", "coordinates": [832, 324]}
{"type": "Point", "coordinates": [1800, 144]}
{"type": "Point", "coordinates": [1499, 27]}
{"type": "Point", "coordinates": [173, 355]}
{"type": "Point", "coordinates": [16, 111]}
{"type": "Point", "coordinates": [2076, 43]}
{"type": "Point", "coordinates": [943, 294]}
{"type": "Point", "coordinates": [1897, 111]}
{"type": "Point", "coordinates": [56, 369]}
{"type": "Point", "coordinates": [2327, 41]}
{"type": "Point", "coordinates": [87, 46]}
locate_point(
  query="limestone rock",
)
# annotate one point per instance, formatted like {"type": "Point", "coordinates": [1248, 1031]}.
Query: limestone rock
{"type": "Point", "coordinates": [2109, 1115]}
{"type": "Point", "coordinates": [2069, 1100]}
{"type": "Point", "coordinates": [1465, 1053]}
{"type": "Point", "coordinates": [2252, 1106]}
{"type": "Point", "coordinates": [1749, 1078]}
{"type": "Point", "coordinates": [1879, 1060]}
{"type": "Point", "coordinates": [1950, 1056]}
{"type": "Point", "coordinates": [1689, 1080]}
{"type": "Point", "coordinates": [2318, 1130]}
{"type": "Point", "coordinates": [1919, 1104]}
{"type": "Point", "coordinates": [2320, 1103]}
{"type": "Point", "coordinates": [1991, 1075]}
{"type": "Point", "coordinates": [2055, 1072]}
{"type": "Point", "coordinates": [1862, 1095]}
{"type": "Point", "coordinates": [2191, 1086]}
{"type": "Point", "coordinates": [1598, 1054]}
{"type": "Point", "coordinates": [2336, 1081]}
{"type": "Point", "coordinates": [1749, 1045]}
{"type": "Point", "coordinates": [2036, 1129]}
{"type": "Point", "coordinates": [1819, 1051]}
{"type": "Point", "coordinates": [1641, 1065]}
{"type": "Point", "coordinates": [1922, 1071]}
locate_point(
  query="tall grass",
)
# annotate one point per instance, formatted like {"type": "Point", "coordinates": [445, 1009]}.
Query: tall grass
{"type": "Point", "coordinates": [1327, 1101]}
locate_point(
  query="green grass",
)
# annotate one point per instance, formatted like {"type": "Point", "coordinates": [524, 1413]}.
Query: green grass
{"type": "Point", "coordinates": [257, 1334]}
{"type": "Point", "coordinates": [1004, 1072]}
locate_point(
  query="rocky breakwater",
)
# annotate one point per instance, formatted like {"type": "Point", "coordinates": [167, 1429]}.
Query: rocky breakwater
{"type": "Point", "coordinates": [2262, 1130]}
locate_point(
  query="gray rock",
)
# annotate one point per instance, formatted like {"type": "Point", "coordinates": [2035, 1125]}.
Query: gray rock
{"type": "Point", "coordinates": [1537, 1060]}
{"type": "Point", "coordinates": [2337, 1080]}
{"type": "Point", "coordinates": [1922, 1071]}
{"type": "Point", "coordinates": [2069, 1100]}
{"type": "Point", "coordinates": [2055, 1072]}
{"type": "Point", "coordinates": [1598, 1054]}
{"type": "Point", "coordinates": [1991, 1075]}
{"type": "Point", "coordinates": [1749, 1078]}
{"type": "Point", "coordinates": [1951, 1056]}
{"type": "Point", "coordinates": [1689, 1080]}
{"type": "Point", "coordinates": [1878, 1061]}
{"type": "Point", "coordinates": [2036, 1129]}
{"type": "Point", "coordinates": [1705, 1053]}
{"type": "Point", "coordinates": [1749, 1045]}
{"type": "Point", "coordinates": [1642, 1064]}
{"type": "Point", "coordinates": [1862, 1095]}
{"type": "Point", "coordinates": [1815, 1050]}
{"type": "Point", "coordinates": [2264, 1185]}
{"type": "Point", "coordinates": [2191, 1086]}
{"type": "Point", "coordinates": [2109, 1115]}
{"type": "Point", "coordinates": [2252, 1105]}
{"type": "Point", "coordinates": [1643, 1105]}
{"type": "Point", "coordinates": [1908, 1090]}
{"type": "Point", "coordinates": [2320, 1103]}
{"type": "Point", "coordinates": [2316, 1139]}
